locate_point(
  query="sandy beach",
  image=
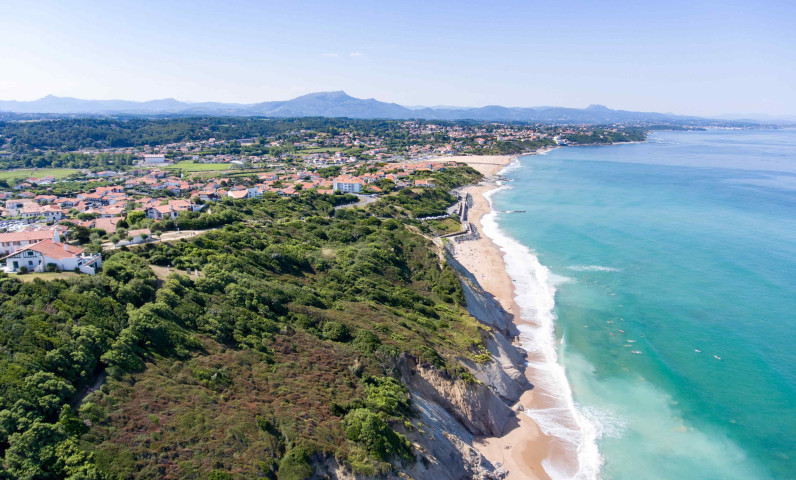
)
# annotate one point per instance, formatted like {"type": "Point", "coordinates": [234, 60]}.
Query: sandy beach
{"type": "Point", "coordinates": [523, 447]}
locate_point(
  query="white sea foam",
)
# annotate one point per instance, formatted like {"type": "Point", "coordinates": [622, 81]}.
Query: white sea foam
{"type": "Point", "coordinates": [545, 151]}
{"type": "Point", "coordinates": [515, 163]}
{"type": "Point", "coordinates": [577, 428]}
{"type": "Point", "coordinates": [592, 268]}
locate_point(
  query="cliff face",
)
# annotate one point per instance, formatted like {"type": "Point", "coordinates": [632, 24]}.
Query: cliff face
{"type": "Point", "coordinates": [481, 304]}
{"type": "Point", "coordinates": [504, 374]}
{"type": "Point", "coordinates": [474, 405]}
{"type": "Point", "coordinates": [451, 412]}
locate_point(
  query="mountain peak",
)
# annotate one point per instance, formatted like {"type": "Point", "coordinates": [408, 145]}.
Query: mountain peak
{"type": "Point", "coordinates": [335, 95]}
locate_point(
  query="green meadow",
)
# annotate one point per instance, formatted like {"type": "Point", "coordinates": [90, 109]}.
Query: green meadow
{"type": "Point", "coordinates": [23, 173]}
{"type": "Point", "coordinates": [189, 166]}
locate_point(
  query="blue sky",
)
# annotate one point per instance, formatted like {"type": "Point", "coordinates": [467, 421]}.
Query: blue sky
{"type": "Point", "coordinates": [695, 57]}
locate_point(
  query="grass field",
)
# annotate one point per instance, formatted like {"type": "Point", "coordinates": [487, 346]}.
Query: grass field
{"type": "Point", "coordinates": [46, 276]}
{"type": "Point", "coordinates": [319, 150]}
{"type": "Point", "coordinates": [238, 172]}
{"type": "Point", "coordinates": [23, 173]}
{"type": "Point", "coordinates": [189, 166]}
{"type": "Point", "coordinates": [163, 273]}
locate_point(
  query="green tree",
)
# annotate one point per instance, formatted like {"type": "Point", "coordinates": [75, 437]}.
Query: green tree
{"type": "Point", "coordinates": [32, 454]}
{"type": "Point", "coordinates": [134, 217]}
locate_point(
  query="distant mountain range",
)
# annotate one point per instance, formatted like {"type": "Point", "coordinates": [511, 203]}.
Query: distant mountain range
{"type": "Point", "coordinates": [759, 117]}
{"type": "Point", "coordinates": [333, 104]}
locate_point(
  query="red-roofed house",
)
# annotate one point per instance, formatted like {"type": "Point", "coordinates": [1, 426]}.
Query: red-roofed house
{"type": "Point", "coordinates": [12, 241]}
{"type": "Point", "coordinates": [36, 257]}
{"type": "Point", "coordinates": [171, 210]}
{"type": "Point", "coordinates": [159, 212]}
{"type": "Point", "coordinates": [238, 194]}
{"type": "Point", "coordinates": [107, 223]}
{"type": "Point", "coordinates": [50, 213]}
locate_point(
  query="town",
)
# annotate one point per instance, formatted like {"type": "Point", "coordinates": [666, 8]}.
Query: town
{"type": "Point", "coordinates": [61, 218]}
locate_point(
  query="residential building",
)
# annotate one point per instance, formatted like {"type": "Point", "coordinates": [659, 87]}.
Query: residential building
{"type": "Point", "coordinates": [36, 258]}
{"type": "Point", "coordinates": [155, 159]}
{"type": "Point", "coordinates": [50, 213]}
{"type": "Point", "coordinates": [12, 241]}
{"type": "Point", "coordinates": [347, 184]}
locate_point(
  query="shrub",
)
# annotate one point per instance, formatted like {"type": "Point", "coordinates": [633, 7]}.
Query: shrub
{"type": "Point", "coordinates": [381, 441]}
{"type": "Point", "coordinates": [219, 475]}
{"type": "Point", "coordinates": [336, 332]}
{"type": "Point", "coordinates": [367, 341]}
{"type": "Point", "coordinates": [387, 395]}
{"type": "Point", "coordinates": [295, 465]}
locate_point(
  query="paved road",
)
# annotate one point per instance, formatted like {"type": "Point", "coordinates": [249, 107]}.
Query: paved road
{"type": "Point", "coordinates": [363, 200]}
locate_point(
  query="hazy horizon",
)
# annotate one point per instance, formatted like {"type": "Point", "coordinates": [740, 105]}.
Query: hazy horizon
{"type": "Point", "coordinates": [689, 58]}
{"type": "Point", "coordinates": [728, 115]}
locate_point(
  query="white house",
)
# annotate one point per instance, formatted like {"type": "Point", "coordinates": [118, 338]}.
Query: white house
{"type": "Point", "coordinates": [347, 184]}
{"type": "Point", "coordinates": [136, 237]}
{"type": "Point", "coordinates": [238, 194]}
{"type": "Point", "coordinates": [160, 212]}
{"type": "Point", "coordinates": [36, 257]}
{"type": "Point", "coordinates": [171, 210]}
{"type": "Point", "coordinates": [12, 241]}
{"type": "Point", "coordinates": [253, 192]}
{"type": "Point", "coordinates": [208, 195]}
{"type": "Point", "coordinates": [50, 213]}
{"type": "Point", "coordinates": [15, 206]}
{"type": "Point", "coordinates": [155, 159]}
{"type": "Point", "coordinates": [139, 236]}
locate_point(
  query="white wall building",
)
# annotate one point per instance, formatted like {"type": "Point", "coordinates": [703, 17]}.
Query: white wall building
{"type": "Point", "coordinates": [50, 213]}
{"type": "Point", "coordinates": [36, 257]}
{"type": "Point", "coordinates": [347, 184]}
{"type": "Point", "coordinates": [12, 241]}
{"type": "Point", "coordinates": [154, 159]}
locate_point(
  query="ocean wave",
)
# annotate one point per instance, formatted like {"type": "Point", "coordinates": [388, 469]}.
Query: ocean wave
{"type": "Point", "coordinates": [515, 164]}
{"type": "Point", "coordinates": [592, 268]}
{"type": "Point", "coordinates": [545, 151]}
{"type": "Point", "coordinates": [535, 294]}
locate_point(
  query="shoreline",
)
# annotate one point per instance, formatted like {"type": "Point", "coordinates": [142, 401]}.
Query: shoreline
{"type": "Point", "coordinates": [524, 450]}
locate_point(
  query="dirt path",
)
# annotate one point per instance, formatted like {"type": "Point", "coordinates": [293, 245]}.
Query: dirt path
{"type": "Point", "coordinates": [84, 391]}
{"type": "Point", "coordinates": [165, 237]}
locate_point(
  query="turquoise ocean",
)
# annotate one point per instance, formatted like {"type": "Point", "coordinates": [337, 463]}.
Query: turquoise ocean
{"type": "Point", "coordinates": [662, 276]}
